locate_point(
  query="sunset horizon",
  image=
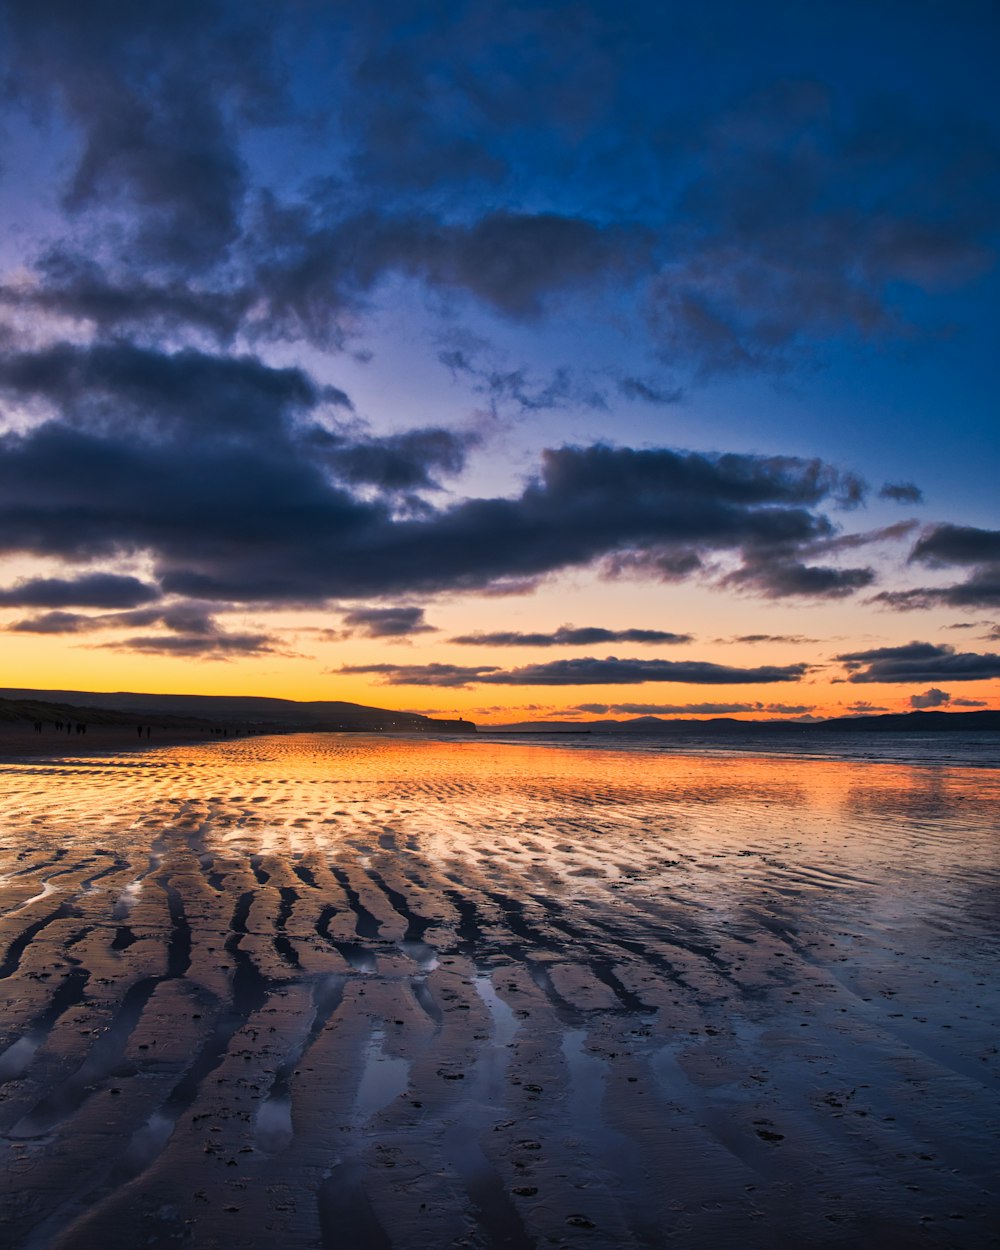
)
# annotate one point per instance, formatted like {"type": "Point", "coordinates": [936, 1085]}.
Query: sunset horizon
{"type": "Point", "coordinates": [590, 411]}
{"type": "Point", "coordinates": [695, 376]}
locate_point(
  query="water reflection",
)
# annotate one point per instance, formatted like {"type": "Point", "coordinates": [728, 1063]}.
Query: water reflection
{"type": "Point", "coordinates": [355, 969]}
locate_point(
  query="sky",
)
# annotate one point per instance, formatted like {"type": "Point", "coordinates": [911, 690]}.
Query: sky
{"type": "Point", "coordinates": [512, 361]}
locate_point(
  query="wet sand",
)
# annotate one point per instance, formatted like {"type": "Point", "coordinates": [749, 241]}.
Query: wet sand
{"type": "Point", "coordinates": [338, 991]}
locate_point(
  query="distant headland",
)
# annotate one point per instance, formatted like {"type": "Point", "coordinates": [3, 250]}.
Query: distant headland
{"type": "Point", "coordinates": [208, 715]}
{"type": "Point", "coordinates": [893, 722]}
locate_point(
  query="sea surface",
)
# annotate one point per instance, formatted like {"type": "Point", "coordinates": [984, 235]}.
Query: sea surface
{"type": "Point", "coordinates": [346, 991]}
{"type": "Point", "coordinates": [977, 749]}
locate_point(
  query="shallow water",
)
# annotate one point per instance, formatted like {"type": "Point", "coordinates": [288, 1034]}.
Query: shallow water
{"type": "Point", "coordinates": [410, 993]}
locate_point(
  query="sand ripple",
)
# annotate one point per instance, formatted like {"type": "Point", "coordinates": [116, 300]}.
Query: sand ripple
{"type": "Point", "coordinates": [328, 991]}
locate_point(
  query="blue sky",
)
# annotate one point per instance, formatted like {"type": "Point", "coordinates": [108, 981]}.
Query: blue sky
{"type": "Point", "coordinates": [498, 314]}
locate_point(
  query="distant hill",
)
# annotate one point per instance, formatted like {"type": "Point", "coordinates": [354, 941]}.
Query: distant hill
{"type": "Point", "coordinates": [247, 710]}
{"type": "Point", "coordinates": [896, 722]}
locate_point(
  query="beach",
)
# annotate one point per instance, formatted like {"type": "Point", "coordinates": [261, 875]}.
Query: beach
{"type": "Point", "coordinates": [325, 990]}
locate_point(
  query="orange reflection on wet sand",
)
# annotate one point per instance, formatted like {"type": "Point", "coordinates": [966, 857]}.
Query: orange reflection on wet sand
{"type": "Point", "coordinates": [404, 991]}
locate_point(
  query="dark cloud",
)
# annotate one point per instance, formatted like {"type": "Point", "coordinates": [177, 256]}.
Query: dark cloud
{"type": "Point", "coordinates": [449, 675]}
{"type": "Point", "coordinates": [776, 571]}
{"type": "Point", "coordinates": [780, 580]}
{"type": "Point", "coordinates": [217, 646]}
{"type": "Point", "coordinates": [755, 638]}
{"type": "Point", "coordinates": [636, 388]}
{"type": "Point", "coordinates": [514, 158]}
{"type": "Point", "coordinates": [585, 671]}
{"type": "Point", "coordinates": [569, 635]}
{"type": "Point", "coordinates": [930, 698]}
{"type": "Point", "coordinates": [397, 462]}
{"type": "Point", "coordinates": [55, 623]}
{"type": "Point", "coordinates": [781, 251]}
{"type": "Point", "coordinates": [398, 622]}
{"type": "Point", "coordinates": [80, 288]}
{"type": "Point", "coordinates": [957, 544]}
{"type": "Point", "coordinates": [863, 708]}
{"type": "Point", "coordinates": [213, 466]}
{"type": "Point", "coordinates": [919, 662]}
{"type": "Point", "coordinates": [156, 99]}
{"type": "Point", "coordinates": [981, 590]}
{"type": "Point", "coordinates": [969, 703]}
{"type": "Point", "coordinates": [902, 492]}
{"type": "Point", "coordinates": [190, 620]}
{"type": "Point", "coordinates": [91, 590]}
{"type": "Point", "coordinates": [867, 538]}
{"type": "Point", "coordinates": [942, 546]}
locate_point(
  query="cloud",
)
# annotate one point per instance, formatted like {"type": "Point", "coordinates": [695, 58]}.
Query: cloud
{"type": "Point", "coordinates": [867, 538]}
{"type": "Point", "coordinates": [218, 646]}
{"type": "Point", "coordinates": [981, 590]}
{"type": "Point", "coordinates": [636, 388]}
{"type": "Point", "coordinates": [957, 544]}
{"type": "Point", "coordinates": [862, 708]}
{"type": "Point", "coordinates": [398, 462]}
{"type": "Point", "coordinates": [569, 635]}
{"type": "Point", "coordinates": [901, 492]}
{"type": "Point", "coordinates": [55, 623]}
{"type": "Point", "coordinates": [780, 252]}
{"type": "Point", "coordinates": [395, 622]}
{"type": "Point", "coordinates": [944, 545]}
{"type": "Point", "coordinates": [919, 662]}
{"type": "Point", "coordinates": [585, 671]}
{"type": "Point", "coordinates": [216, 468]}
{"type": "Point", "coordinates": [454, 676]}
{"type": "Point", "coordinates": [755, 638]}
{"type": "Point", "coordinates": [189, 631]}
{"type": "Point", "coordinates": [781, 580]}
{"type": "Point", "coordinates": [489, 157]}
{"type": "Point", "coordinates": [92, 590]}
{"type": "Point", "coordinates": [316, 263]}
{"type": "Point", "coordinates": [156, 101]}
{"type": "Point", "coordinates": [930, 698]}
{"type": "Point", "coordinates": [776, 571]}
{"type": "Point", "coordinates": [515, 389]}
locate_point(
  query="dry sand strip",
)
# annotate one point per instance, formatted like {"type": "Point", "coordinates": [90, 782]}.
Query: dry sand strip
{"type": "Point", "coordinates": [342, 992]}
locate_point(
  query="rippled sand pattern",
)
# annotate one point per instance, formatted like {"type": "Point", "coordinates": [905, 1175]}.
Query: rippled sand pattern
{"type": "Point", "coordinates": [347, 992]}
